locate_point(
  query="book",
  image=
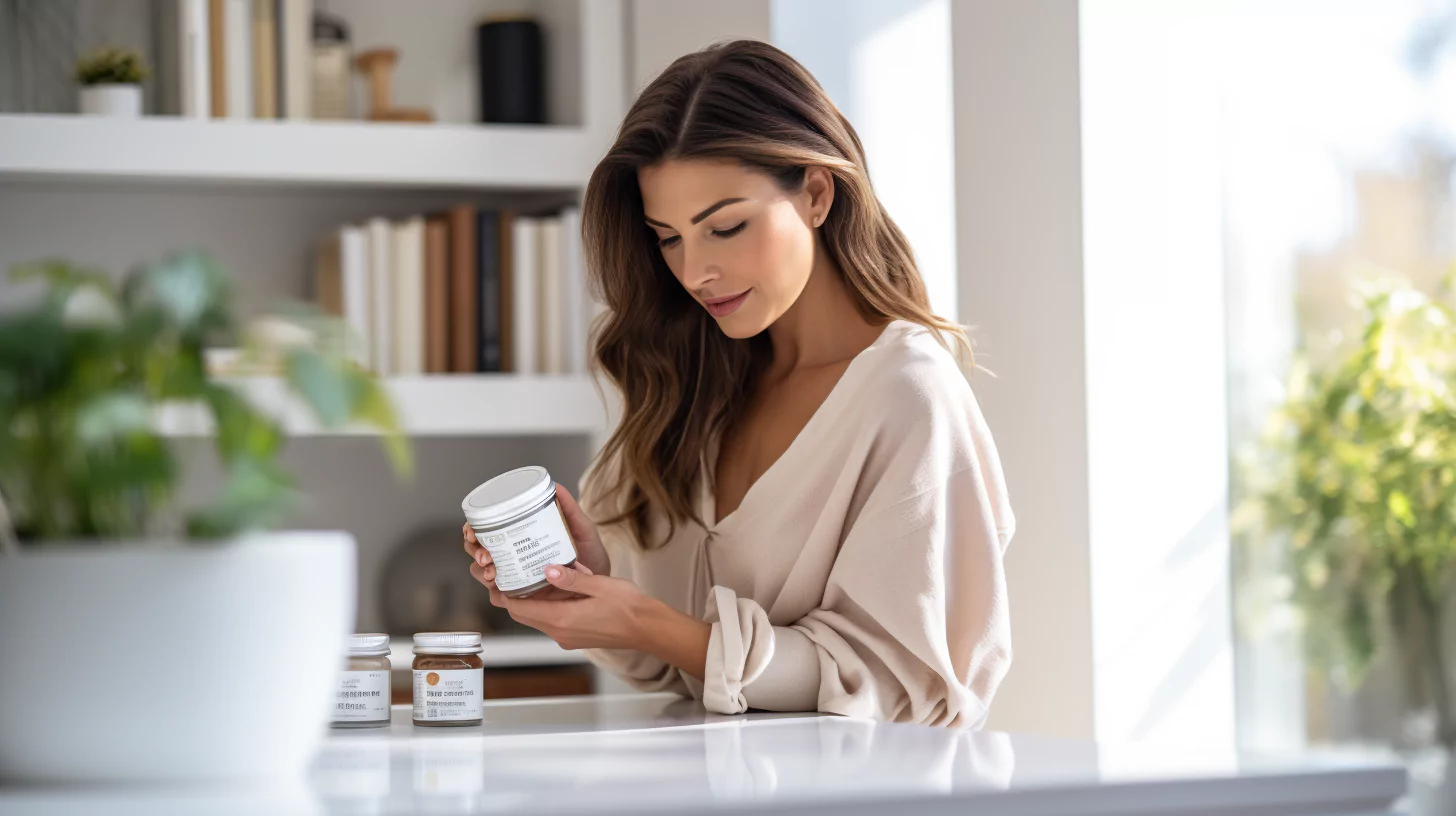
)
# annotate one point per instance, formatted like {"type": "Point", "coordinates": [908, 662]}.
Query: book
{"type": "Point", "coordinates": [357, 297]}
{"type": "Point", "coordinates": [525, 249]}
{"type": "Point", "coordinates": [407, 266]}
{"type": "Point", "coordinates": [295, 19]}
{"type": "Point", "coordinates": [183, 78]}
{"type": "Point", "coordinates": [328, 277]}
{"type": "Point", "coordinates": [576, 326]}
{"type": "Point", "coordinates": [217, 56]}
{"type": "Point", "coordinates": [550, 316]}
{"type": "Point", "coordinates": [463, 304]}
{"type": "Point", "coordinates": [437, 294]}
{"type": "Point", "coordinates": [488, 316]}
{"type": "Point", "coordinates": [381, 294]}
{"type": "Point", "coordinates": [239, 55]}
{"type": "Point", "coordinates": [507, 231]}
{"type": "Point", "coordinates": [265, 59]}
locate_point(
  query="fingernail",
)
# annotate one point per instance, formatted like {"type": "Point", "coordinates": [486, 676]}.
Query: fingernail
{"type": "Point", "coordinates": [552, 572]}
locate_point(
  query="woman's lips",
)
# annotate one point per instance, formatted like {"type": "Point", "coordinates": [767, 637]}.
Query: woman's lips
{"type": "Point", "coordinates": [722, 307]}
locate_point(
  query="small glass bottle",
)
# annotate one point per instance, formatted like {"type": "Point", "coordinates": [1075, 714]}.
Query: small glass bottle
{"type": "Point", "coordinates": [362, 697]}
{"type": "Point", "coordinates": [449, 679]}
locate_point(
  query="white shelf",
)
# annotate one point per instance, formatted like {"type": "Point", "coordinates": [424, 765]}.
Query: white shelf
{"type": "Point", "coordinates": [90, 148]}
{"type": "Point", "coordinates": [501, 651]}
{"type": "Point", "coordinates": [432, 405]}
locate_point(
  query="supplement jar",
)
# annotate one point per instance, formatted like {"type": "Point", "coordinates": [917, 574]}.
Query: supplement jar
{"type": "Point", "coordinates": [449, 679]}
{"type": "Point", "coordinates": [516, 518]}
{"type": "Point", "coordinates": [362, 698]}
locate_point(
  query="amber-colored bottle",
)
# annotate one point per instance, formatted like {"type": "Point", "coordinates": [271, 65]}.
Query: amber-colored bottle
{"type": "Point", "coordinates": [449, 679]}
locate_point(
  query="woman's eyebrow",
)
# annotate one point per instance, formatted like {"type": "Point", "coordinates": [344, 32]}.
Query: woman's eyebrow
{"type": "Point", "coordinates": [700, 216]}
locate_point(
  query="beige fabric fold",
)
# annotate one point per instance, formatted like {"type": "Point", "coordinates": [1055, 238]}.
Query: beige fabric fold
{"type": "Point", "coordinates": [862, 573]}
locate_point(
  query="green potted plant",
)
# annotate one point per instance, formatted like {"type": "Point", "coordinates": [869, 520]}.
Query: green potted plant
{"type": "Point", "coordinates": [111, 82]}
{"type": "Point", "coordinates": [1358, 492]}
{"type": "Point", "coordinates": [146, 633]}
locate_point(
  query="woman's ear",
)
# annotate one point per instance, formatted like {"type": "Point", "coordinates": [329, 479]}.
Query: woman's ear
{"type": "Point", "coordinates": [819, 186]}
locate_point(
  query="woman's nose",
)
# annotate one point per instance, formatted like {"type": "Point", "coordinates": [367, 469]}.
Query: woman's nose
{"type": "Point", "coordinates": [699, 270]}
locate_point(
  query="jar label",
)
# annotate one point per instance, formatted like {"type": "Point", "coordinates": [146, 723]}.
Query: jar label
{"type": "Point", "coordinates": [449, 694]}
{"type": "Point", "coordinates": [523, 550]}
{"type": "Point", "coordinates": [362, 696]}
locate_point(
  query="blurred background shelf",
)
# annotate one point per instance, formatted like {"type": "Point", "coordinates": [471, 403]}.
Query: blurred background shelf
{"type": "Point", "coordinates": [433, 405]}
{"type": "Point", "coordinates": [501, 652]}
{"type": "Point", "coordinates": [276, 152]}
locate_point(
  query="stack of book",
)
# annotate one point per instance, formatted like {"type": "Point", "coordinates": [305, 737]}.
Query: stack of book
{"type": "Point", "coordinates": [464, 291]}
{"type": "Point", "coordinates": [237, 59]}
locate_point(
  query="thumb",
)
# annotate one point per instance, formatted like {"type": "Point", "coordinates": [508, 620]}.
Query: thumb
{"type": "Point", "coordinates": [579, 580]}
{"type": "Point", "coordinates": [581, 528]}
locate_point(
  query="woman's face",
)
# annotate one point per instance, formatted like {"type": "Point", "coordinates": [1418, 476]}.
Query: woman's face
{"type": "Point", "coordinates": [740, 245]}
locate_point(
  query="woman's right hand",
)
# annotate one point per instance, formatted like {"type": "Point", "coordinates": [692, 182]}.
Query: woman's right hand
{"type": "Point", "coordinates": [584, 536]}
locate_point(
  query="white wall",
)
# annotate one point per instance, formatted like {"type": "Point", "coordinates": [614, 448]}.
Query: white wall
{"type": "Point", "coordinates": [660, 31]}
{"type": "Point", "coordinates": [1019, 244]}
{"type": "Point", "coordinates": [886, 65]}
{"type": "Point", "coordinates": [1090, 260]}
{"type": "Point", "coordinates": [1157, 399]}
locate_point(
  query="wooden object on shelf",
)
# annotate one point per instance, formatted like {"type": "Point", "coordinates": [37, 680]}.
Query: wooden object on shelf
{"type": "Point", "coordinates": [377, 65]}
{"type": "Point", "coordinates": [543, 681]}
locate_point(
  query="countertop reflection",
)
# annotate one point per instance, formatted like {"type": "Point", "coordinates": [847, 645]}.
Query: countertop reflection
{"type": "Point", "coordinates": [661, 754]}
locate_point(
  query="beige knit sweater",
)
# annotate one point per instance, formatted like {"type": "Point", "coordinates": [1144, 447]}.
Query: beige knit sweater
{"type": "Point", "coordinates": [861, 574]}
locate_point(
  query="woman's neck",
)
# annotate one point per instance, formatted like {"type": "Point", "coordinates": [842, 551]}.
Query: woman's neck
{"type": "Point", "coordinates": [823, 327]}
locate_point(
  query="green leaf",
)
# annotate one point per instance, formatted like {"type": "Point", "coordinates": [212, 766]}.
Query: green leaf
{"type": "Point", "coordinates": [112, 415]}
{"type": "Point", "coordinates": [372, 405]}
{"type": "Point", "coordinates": [323, 385]}
{"type": "Point", "coordinates": [258, 495]}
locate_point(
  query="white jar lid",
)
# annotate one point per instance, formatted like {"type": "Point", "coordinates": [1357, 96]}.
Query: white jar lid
{"type": "Point", "coordinates": [508, 495]}
{"type": "Point", "coordinates": [369, 645]}
{"type": "Point", "coordinates": [448, 643]}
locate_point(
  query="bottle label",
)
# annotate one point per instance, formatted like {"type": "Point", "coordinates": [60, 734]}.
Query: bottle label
{"type": "Point", "coordinates": [362, 696]}
{"type": "Point", "coordinates": [442, 695]}
{"type": "Point", "coordinates": [523, 550]}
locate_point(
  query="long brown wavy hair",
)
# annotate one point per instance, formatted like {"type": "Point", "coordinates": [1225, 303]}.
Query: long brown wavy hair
{"type": "Point", "coordinates": [682, 381]}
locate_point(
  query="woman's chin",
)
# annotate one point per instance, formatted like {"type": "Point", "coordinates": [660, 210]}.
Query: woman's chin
{"type": "Point", "coordinates": [741, 325]}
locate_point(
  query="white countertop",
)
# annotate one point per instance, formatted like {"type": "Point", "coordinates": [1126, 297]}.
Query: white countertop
{"type": "Point", "coordinates": [660, 754]}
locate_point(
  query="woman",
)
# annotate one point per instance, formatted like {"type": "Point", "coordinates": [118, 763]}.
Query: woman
{"type": "Point", "coordinates": [802, 508]}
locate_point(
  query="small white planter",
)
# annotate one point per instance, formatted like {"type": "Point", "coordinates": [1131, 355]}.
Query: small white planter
{"type": "Point", "coordinates": [154, 662]}
{"type": "Point", "coordinates": [112, 100]}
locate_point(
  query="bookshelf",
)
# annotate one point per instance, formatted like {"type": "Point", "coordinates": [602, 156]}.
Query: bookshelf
{"type": "Point", "coordinates": [432, 405]}
{"type": "Point", "coordinates": [258, 194]}
{"type": "Point", "coordinates": [41, 148]}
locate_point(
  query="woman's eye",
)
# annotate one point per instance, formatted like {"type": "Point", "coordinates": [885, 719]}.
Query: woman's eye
{"type": "Point", "coordinates": [667, 242]}
{"type": "Point", "coordinates": [732, 231]}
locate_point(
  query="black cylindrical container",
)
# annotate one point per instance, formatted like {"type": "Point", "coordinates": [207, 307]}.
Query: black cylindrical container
{"type": "Point", "coordinates": [512, 71]}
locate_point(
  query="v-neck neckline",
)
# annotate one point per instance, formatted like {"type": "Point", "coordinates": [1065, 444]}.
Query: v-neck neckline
{"type": "Point", "coordinates": [708, 499]}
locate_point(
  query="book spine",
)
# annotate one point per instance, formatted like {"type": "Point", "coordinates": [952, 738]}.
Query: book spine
{"type": "Point", "coordinates": [194, 62]}
{"type": "Point", "coordinates": [576, 323]}
{"type": "Point", "coordinates": [239, 37]}
{"type": "Point", "coordinates": [217, 56]}
{"type": "Point", "coordinates": [381, 282]}
{"type": "Point", "coordinates": [506, 230]}
{"type": "Point", "coordinates": [409, 297]}
{"type": "Point", "coordinates": [549, 314]}
{"type": "Point", "coordinates": [354, 260]}
{"type": "Point", "coordinates": [437, 295]}
{"type": "Point", "coordinates": [463, 275]}
{"type": "Point", "coordinates": [489, 315]}
{"type": "Point", "coordinates": [297, 74]}
{"type": "Point", "coordinates": [524, 245]}
{"type": "Point", "coordinates": [265, 59]}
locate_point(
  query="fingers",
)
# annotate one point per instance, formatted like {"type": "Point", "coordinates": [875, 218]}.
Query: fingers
{"type": "Point", "coordinates": [485, 575]}
{"type": "Point", "coordinates": [581, 528]}
{"type": "Point", "coordinates": [477, 553]}
{"type": "Point", "coordinates": [579, 580]}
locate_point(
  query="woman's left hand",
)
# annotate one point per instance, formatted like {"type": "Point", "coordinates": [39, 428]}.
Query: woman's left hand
{"type": "Point", "coordinates": [605, 614]}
